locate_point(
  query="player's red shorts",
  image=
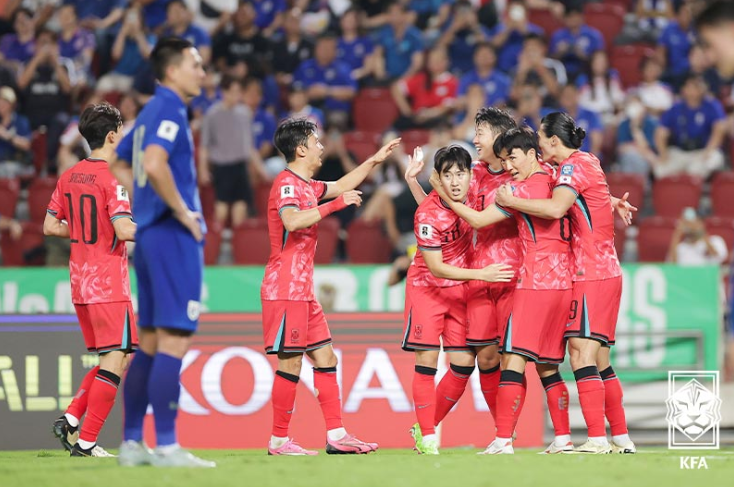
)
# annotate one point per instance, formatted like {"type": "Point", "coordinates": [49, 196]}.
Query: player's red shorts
{"type": "Point", "coordinates": [537, 323]}
{"type": "Point", "coordinates": [432, 313]}
{"type": "Point", "coordinates": [294, 326]}
{"type": "Point", "coordinates": [108, 326]}
{"type": "Point", "coordinates": [488, 307]}
{"type": "Point", "coordinates": [594, 310]}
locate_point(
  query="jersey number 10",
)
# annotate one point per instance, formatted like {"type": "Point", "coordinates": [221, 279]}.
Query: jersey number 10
{"type": "Point", "coordinates": [83, 222]}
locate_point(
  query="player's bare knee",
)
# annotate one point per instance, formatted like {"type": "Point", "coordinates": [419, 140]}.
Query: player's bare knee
{"type": "Point", "coordinates": [487, 358]}
{"type": "Point", "coordinates": [173, 342]}
{"type": "Point", "coordinates": [546, 370]}
{"type": "Point", "coordinates": [462, 359]}
{"type": "Point", "coordinates": [112, 361]}
{"type": "Point", "coordinates": [426, 358]}
{"type": "Point", "coordinates": [290, 362]}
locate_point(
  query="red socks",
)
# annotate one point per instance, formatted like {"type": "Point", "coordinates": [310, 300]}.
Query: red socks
{"type": "Point", "coordinates": [450, 389]}
{"type": "Point", "coordinates": [556, 394]}
{"type": "Point", "coordinates": [283, 397]}
{"type": "Point", "coordinates": [523, 393]}
{"type": "Point", "coordinates": [327, 391]}
{"type": "Point", "coordinates": [78, 405]}
{"type": "Point", "coordinates": [510, 397]}
{"type": "Point", "coordinates": [101, 399]}
{"type": "Point", "coordinates": [591, 397]}
{"type": "Point", "coordinates": [424, 397]}
{"type": "Point", "coordinates": [613, 405]}
{"type": "Point", "coordinates": [489, 380]}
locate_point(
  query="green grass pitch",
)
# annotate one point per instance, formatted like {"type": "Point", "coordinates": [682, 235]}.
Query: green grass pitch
{"type": "Point", "coordinates": [651, 467]}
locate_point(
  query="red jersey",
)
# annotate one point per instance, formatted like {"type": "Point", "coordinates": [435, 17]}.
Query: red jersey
{"type": "Point", "coordinates": [289, 272]}
{"type": "Point", "coordinates": [546, 244]}
{"type": "Point", "coordinates": [89, 198]}
{"type": "Point", "coordinates": [442, 90]}
{"type": "Point", "coordinates": [498, 243]}
{"type": "Point", "coordinates": [437, 227]}
{"type": "Point", "coordinates": [592, 217]}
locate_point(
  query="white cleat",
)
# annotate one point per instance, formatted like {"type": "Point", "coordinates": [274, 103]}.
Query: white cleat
{"type": "Point", "coordinates": [626, 449]}
{"type": "Point", "coordinates": [593, 448]}
{"type": "Point", "coordinates": [178, 457]}
{"type": "Point", "coordinates": [100, 452]}
{"type": "Point", "coordinates": [499, 447]}
{"type": "Point", "coordinates": [554, 449]}
{"type": "Point", "coordinates": [134, 454]}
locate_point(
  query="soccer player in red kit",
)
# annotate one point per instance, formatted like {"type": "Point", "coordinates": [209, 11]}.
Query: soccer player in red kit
{"type": "Point", "coordinates": [488, 304]}
{"type": "Point", "coordinates": [435, 296]}
{"type": "Point", "coordinates": [293, 321]}
{"type": "Point", "coordinates": [582, 191]}
{"type": "Point", "coordinates": [534, 329]}
{"type": "Point", "coordinates": [98, 221]}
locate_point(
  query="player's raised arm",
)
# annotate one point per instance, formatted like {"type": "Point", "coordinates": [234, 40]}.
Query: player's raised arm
{"type": "Point", "coordinates": [550, 209]}
{"type": "Point", "coordinates": [415, 166]}
{"type": "Point", "coordinates": [295, 219]}
{"type": "Point", "coordinates": [440, 269]}
{"type": "Point", "coordinates": [477, 219]}
{"type": "Point", "coordinates": [355, 177]}
{"type": "Point", "coordinates": [158, 172]}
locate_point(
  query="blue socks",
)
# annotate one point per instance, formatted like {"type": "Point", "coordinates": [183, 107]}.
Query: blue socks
{"type": "Point", "coordinates": [135, 395]}
{"type": "Point", "coordinates": [164, 389]}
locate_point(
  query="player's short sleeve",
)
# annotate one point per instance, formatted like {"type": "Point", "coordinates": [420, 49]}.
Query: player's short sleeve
{"type": "Point", "coordinates": [165, 131]}
{"type": "Point", "coordinates": [125, 147]}
{"type": "Point", "coordinates": [288, 194]}
{"type": "Point", "coordinates": [572, 176]}
{"type": "Point", "coordinates": [426, 233]}
{"type": "Point", "coordinates": [319, 188]}
{"type": "Point", "coordinates": [117, 201]}
{"type": "Point", "coordinates": [56, 205]}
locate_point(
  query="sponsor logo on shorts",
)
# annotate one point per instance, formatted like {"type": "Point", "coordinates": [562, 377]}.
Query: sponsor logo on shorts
{"type": "Point", "coordinates": [418, 332]}
{"type": "Point", "coordinates": [193, 310]}
{"type": "Point", "coordinates": [295, 336]}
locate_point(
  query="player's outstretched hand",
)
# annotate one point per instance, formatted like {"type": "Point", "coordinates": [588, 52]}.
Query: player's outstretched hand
{"type": "Point", "coordinates": [624, 208]}
{"type": "Point", "coordinates": [385, 151]}
{"type": "Point", "coordinates": [415, 164]}
{"type": "Point", "coordinates": [497, 273]}
{"type": "Point", "coordinates": [503, 195]}
{"type": "Point", "coordinates": [352, 197]}
{"type": "Point", "coordinates": [192, 221]}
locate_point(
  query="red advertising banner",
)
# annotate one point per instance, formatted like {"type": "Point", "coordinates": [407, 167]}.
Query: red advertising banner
{"type": "Point", "coordinates": [227, 380]}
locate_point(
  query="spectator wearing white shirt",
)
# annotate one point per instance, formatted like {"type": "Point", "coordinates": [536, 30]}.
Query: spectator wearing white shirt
{"type": "Point", "coordinates": [691, 245]}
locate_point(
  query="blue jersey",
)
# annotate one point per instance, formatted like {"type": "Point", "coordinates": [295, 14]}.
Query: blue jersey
{"type": "Point", "coordinates": [497, 86]}
{"type": "Point", "coordinates": [162, 122]}
{"type": "Point", "coordinates": [588, 39]}
{"type": "Point", "coordinates": [399, 52]}
{"type": "Point", "coordinates": [336, 74]}
{"type": "Point", "coordinates": [691, 127]}
{"type": "Point", "coordinates": [677, 43]}
{"type": "Point", "coordinates": [263, 128]}
{"type": "Point", "coordinates": [509, 52]}
{"type": "Point", "coordinates": [266, 11]}
{"type": "Point", "coordinates": [194, 34]}
{"type": "Point", "coordinates": [353, 52]}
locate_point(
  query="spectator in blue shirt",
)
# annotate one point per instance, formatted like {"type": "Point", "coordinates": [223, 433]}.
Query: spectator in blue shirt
{"type": "Point", "coordinates": [328, 82]}
{"type": "Point", "coordinates": [102, 17]}
{"type": "Point", "coordinates": [399, 45]}
{"type": "Point", "coordinates": [178, 24]}
{"type": "Point", "coordinates": [264, 124]}
{"type": "Point", "coordinates": [691, 133]}
{"type": "Point", "coordinates": [461, 34]}
{"type": "Point", "coordinates": [354, 48]}
{"type": "Point", "coordinates": [586, 119]}
{"type": "Point", "coordinates": [77, 45]}
{"type": "Point", "coordinates": [19, 48]}
{"type": "Point", "coordinates": [508, 36]}
{"type": "Point", "coordinates": [269, 15]}
{"type": "Point", "coordinates": [575, 43]}
{"type": "Point", "coordinates": [15, 135]}
{"type": "Point", "coordinates": [426, 9]}
{"type": "Point", "coordinates": [675, 42]}
{"type": "Point", "coordinates": [154, 13]}
{"type": "Point", "coordinates": [636, 139]}
{"type": "Point", "coordinates": [131, 49]}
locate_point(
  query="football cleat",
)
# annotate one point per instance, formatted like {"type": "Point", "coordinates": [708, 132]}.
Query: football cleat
{"type": "Point", "coordinates": [66, 433]}
{"type": "Point", "coordinates": [290, 448]}
{"type": "Point", "coordinates": [423, 446]}
{"type": "Point", "coordinates": [593, 448]}
{"type": "Point", "coordinates": [553, 449]}
{"type": "Point", "coordinates": [349, 445]}
{"type": "Point", "coordinates": [626, 449]}
{"type": "Point", "coordinates": [499, 447]}
{"type": "Point", "coordinates": [178, 457]}
{"type": "Point", "coordinates": [134, 454]}
{"type": "Point", "coordinates": [95, 451]}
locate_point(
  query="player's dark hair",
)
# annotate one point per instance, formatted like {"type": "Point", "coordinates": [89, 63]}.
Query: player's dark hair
{"type": "Point", "coordinates": [715, 14]}
{"type": "Point", "coordinates": [167, 51]}
{"type": "Point", "coordinates": [292, 133]}
{"type": "Point", "coordinates": [523, 138]}
{"type": "Point", "coordinates": [496, 119]}
{"type": "Point", "coordinates": [97, 121]}
{"type": "Point", "coordinates": [563, 126]}
{"type": "Point", "coordinates": [450, 156]}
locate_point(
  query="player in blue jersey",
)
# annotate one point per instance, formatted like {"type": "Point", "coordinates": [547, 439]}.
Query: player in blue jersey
{"type": "Point", "coordinates": [169, 253]}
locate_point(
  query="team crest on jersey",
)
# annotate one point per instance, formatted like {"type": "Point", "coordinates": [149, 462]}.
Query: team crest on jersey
{"type": "Point", "coordinates": [168, 130]}
{"type": "Point", "coordinates": [122, 193]}
{"type": "Point", "coordinates": [287, 191]}
{"type": "Point", "coordinates": [425, 231]}
{"type": "Point", "coordinates": [193, 310]}
{"type": "Point", "coordinates": [566, 170]}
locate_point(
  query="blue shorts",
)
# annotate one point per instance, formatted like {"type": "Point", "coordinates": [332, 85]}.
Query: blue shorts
{"type": "Point", "coordinates": [169, 265]}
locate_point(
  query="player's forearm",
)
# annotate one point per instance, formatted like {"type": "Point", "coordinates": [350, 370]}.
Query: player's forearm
{"type": "Point", "coordinates": [354, 178]}
{"type": "Point", "coordinates": [546, 208]}
{"type": "Point", "coordinates": [298, 220]}
{"type": "Point", "coordinates": [477, 219]}
{"type": "Point", "coordinates": [447, 271]}
{"type": "Point", "coordinates": [160, 177]}
{"type": "Point", "coordinates": [55, 228]}
{"type": "Point", "coordinates": [125, 229]}
{"type": "Point", "coordinates": [416, 190]}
